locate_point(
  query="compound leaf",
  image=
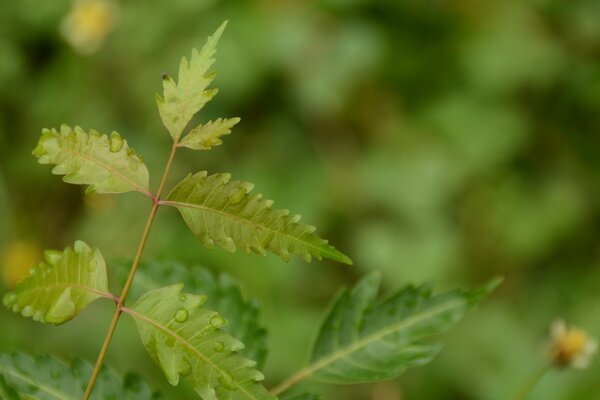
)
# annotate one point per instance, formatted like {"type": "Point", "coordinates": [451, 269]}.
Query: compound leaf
{"type": "Point", "coordinates": [46, 378]}
{"type": "Point", "coordinates": [224, 295]}
{"type": "Point", "coordinates": [363, 340]}
{"type": "Point", "coordinates": [61, 286]}
{"type": "Point", "coordinates": [221, 211]}
{"type": "Point", "coordinates": [207, 136]}
{"type": "Point", "coordinates": [181, 100]}
{"type": "Point", "coordinates": [186, 341]}
{"type": "Point", "coordinates": [107, 165]}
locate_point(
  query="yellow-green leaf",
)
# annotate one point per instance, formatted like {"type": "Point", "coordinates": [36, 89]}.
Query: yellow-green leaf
{"type": "Point", "coordinates": [181, 100]}
{"type": "Point", "coordinates": [106, 164]}
{"type": "Point", "coordinates": [61, 286]}
{"type": "Point", "coordinates": [187, 342]}
{"type": "Point", "coordinates": [207, 136]}
{"type": "Point", "coordinates": [222, 211]}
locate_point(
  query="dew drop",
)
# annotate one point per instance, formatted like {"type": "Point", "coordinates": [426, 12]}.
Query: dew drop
{"type": "Point", "coordinates": [27, 311]}
{"type": "Point", "coordinates": [219, 346]}
{"type": "Point", "coordinates": [181, 315]}
{"type": "Point", "coordinates": [217, 321]}
{"type": "Point", "coordinates": [182, 297]}
{"type": "Point", "coordinates": [116, 142]}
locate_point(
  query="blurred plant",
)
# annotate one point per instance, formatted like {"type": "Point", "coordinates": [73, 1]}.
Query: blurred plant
{"type": "Point", "coordinates": [88, 24]}
{"type": "Point", "coordinates": [361, 339]}
{"type": "Point", "coordinates": [570, 347]}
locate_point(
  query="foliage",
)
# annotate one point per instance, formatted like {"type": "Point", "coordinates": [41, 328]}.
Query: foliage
{"type": "Point", "coordinates": [186, 339]}
{"type": "Point", "coordinates": [46, 378]}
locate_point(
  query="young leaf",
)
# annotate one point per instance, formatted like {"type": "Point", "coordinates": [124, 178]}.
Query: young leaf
{"type": "Point", "coordinates": [224, 296]}
{"type": "Point", "coordinates": [61, 286]}
{"type": "Point", "coordinates": [186, 340]}
{"type": "Point", "coordinates": [185, 98]}
{"type": "Point", "coordinates": [46, 378]}
{"type": "Point", "coordinates": [221, 211]}
{"type": "Point", "coordinates": [207, 136]}
{"type": "Point", "coordinates": [363, 340]}
{"type": "Point", "coordinates": [108, 165]}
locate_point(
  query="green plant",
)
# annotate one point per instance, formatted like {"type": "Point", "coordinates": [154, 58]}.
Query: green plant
{"type": "Point", "coordinates": [360, 340]}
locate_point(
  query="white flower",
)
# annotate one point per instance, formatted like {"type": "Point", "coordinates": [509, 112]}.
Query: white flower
{"type": "Point", "coordinates": [571, 347]}
{"type": "Point", "coordinates": [88, 23]}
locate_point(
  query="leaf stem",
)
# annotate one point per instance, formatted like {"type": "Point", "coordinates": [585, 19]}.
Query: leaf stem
{"type": "Point", "coordinates": [136, 262]}
{"type": "Point", "coordinates": [532, 382]}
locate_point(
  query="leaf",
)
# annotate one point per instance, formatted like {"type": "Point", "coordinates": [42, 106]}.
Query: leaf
{"type": "Point", "coordinates": [207, 136]}
{"type": "Point", "coordinates": [182, 100]}
{"type": "Point", "coordinates": [61, 286]}
{"type": "Point", "coordinates": [221, 211]}
{"type": "Point", "coordinates": [46, 378]}
{"type": "Point", "coordinates": [363, 340]}
{"type": "Point", "coordinates": [224, 295]}
{"type": "Point", "coordinates": [186, 340]}
{"type": "Point", "coordinates": [6, 392]}
{"type": "Point", "coordinates": [108, 165]}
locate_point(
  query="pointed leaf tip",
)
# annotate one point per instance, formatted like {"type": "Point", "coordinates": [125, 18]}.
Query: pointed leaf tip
{"type": "Point", "coordinates": [219, 210]}
{"type": "Point", "coordinates": [364, 340]}
{"type": "Point", "coordinates": [181, 100]}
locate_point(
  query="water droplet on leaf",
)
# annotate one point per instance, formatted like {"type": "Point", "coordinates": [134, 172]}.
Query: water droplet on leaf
{"type": "Point", "coordinates": [217, 321]}
{"type": "Point", "coordinates": [116, 142]}
{"type": "Point", "coordinates": [182, 297]}
{"type": "Point", "coordinates": [181, 315]}
{"type": "Point", "coordinates": [219, 346]}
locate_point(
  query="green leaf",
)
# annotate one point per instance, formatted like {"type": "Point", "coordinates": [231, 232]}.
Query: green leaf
{"type": "Point", "coordinates": [6, 392]}
{"type": "Point", "coordinates": [182, 100]}
{"type": "Point", "coordinates": [107, 165]}
{"type": "Point", "coordinates": [207, 136]}
{"type": "Point", "coordinates": [61, 286]}
{"type": "Point", "coordinates": [363, 340]}
{"type": "Point", "coordinates": [186, 340]}
{"type": "Point", "coordinates": [221, 211]}
{"type": "Point", "coordinates": [46, 378]}
{"type": "Point", "coordinates": [224, 296]}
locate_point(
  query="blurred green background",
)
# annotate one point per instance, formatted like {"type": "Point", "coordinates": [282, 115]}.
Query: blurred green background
{"type": "Point", "coordinates": [440, 141]}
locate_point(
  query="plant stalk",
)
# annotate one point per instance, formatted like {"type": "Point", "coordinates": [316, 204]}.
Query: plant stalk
{"type": "Point", "coordinates": [532, 382]}
{"type": "Point", "coordinates": [136, 262]}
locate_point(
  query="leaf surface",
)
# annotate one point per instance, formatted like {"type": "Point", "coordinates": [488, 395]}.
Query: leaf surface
{"type": "Point", "coordinates": [207, 136]}
{"type": "Point", "coordinates": [106, 164]}
{"type": "Point", "coordinates": [61, 286]}
{"type": "Point", "coordinates": [46, 378]}
{"type": "Point", "coordinates": [362, 340]}
{"type": "Point", "coordinates": [224, 296]}
{"type": "Point", "coordinates": [186, 341]}
{"type": "Point", "coordinates": [181, 100]}
{"type": "Point", "coordinates": [222, 211]}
